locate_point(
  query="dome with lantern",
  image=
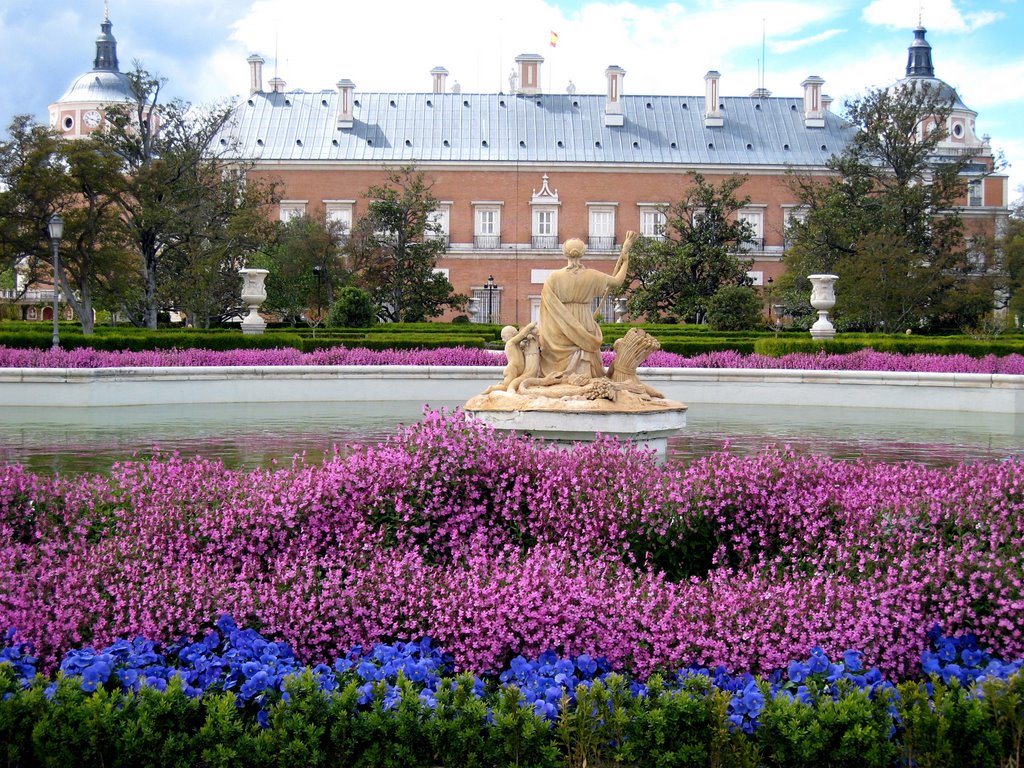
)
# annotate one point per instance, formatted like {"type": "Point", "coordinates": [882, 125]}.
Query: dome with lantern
{"type": "Point", "coordinates": [79, 111]}
{"type": "Point", "coordinates": [921, 73]}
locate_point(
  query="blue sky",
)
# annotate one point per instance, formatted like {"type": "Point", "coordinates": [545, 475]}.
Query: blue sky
{"type": "Point", "coordinates": [200, 46]}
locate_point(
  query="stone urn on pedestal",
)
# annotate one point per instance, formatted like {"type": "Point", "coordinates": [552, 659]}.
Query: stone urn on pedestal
{"type": "Point", "coordinates": [254, 293]}
{"type": "Point", "coordinates": [620, 309]}
{"type": "Point", "coordinates": [823, 298]}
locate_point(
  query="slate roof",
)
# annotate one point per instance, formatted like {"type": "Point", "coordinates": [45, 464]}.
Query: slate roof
{"type": "Point", "coordinates": [301, 126]}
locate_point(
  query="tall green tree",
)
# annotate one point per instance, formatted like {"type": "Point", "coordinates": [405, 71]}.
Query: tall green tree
{"type": "Point", "coordinates": [32, 186]}
{"type": "Point", "coordinates": [702, 251]}
{"type": "Point", "coordinates": [885, 220]}
{"type": "Point", "coordinates": [183, 191]}
{"type": "Point", "coordinates": [306, 267]}
{"type": "Point", "coordinates": [394, 248]}
{"type": "Point", "coordinates": [43, 174]}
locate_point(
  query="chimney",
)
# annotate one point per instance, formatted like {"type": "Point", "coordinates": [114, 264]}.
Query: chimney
{"type": "Point", "coordinates": [613, 106]}
{"type": "Point", "coordinates": [440, 75]}
{"type": "Point", "coordinates": [826, 102]}
{"type": "Point", "coordinates": [256, 63]}
{"type": "Point", "coordinates": [276, 85]}
{"type": "Point", "coordinates": [813, 114]}
{"type": "Point", "coordinates": [346, 107]}
{"type": "Point", "coordinates": [712, 114]}
{"type": "Point", "coordinates": [529, 72]}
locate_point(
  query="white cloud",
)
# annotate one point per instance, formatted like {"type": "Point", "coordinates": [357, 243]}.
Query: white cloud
{"type": "Point", "coordinates": [664, 49]}
{"type": "Point", "coordinates": [941, 15]}
{"type": "Point", "coordinates": [787, 46]}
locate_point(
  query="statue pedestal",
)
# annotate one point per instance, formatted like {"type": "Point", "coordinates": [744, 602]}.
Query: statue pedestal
{"type": "Point", "coordinates": [576, 421]}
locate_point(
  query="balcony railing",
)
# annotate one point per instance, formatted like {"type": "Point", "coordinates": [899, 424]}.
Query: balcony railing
{"type": "Point", "coordinates": [487, 241]}
{"type": "Point", "coordinates": [601, 242]}
{"type": "Point", "coordinates": [441, 237]}
{"type": "Point", "coordinates": [28, 297]}
{"type": "Point", "coordinates": [754, 244]}
{"type": "Point", "coordinates": [545, 242]}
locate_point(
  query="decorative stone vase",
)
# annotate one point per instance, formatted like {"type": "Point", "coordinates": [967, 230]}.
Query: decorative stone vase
{"type": "Point", "coordinates": [823, 298]}
{"type": "Point", "coordinates": [254, 293]}
{"type": "Point", "coordinates": [620, 309]}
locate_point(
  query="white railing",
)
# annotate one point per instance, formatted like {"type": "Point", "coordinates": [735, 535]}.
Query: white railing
{"type": "Point", "coordinates": [29, 297]}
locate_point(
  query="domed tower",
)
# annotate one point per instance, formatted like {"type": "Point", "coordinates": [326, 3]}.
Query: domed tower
{"type": "Point", "coordinates": [80, 110]}
{"type": "Point", "coordinates": [960, 135]}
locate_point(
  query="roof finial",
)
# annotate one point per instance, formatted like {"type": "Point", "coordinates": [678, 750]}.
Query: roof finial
{"type": "Point", "coordinates": [106, 10]}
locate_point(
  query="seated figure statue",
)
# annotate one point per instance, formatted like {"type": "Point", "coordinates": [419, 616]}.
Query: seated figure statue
{"type": "Point", "coordinates": [570, 338]}
{"type": "Point", "coordinates": [556, 364]}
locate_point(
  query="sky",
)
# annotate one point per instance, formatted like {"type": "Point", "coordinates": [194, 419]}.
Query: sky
{"type": "Point", "coordinates": [201, 46]}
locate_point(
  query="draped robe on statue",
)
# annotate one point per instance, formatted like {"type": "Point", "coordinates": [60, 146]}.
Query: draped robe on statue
{"type": "Point", "coordinates": [570, 338]}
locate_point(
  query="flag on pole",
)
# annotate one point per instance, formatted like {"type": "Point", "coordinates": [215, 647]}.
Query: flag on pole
{"type": "Point", "coordinates": [554, 38]}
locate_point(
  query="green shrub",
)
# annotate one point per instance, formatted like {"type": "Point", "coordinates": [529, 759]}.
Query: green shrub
{"type": "Point", "coordinates": [354, 308]}
{"type": "Point", "coordinates": [607, 726]}
{"type": "Point", "coordinates": [735, 308]}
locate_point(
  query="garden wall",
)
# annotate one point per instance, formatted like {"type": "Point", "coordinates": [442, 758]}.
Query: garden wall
{"type": "Point", "coordinates": [73, 387]}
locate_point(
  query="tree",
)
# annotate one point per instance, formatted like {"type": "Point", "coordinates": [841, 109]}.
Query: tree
{"type": "Point", "coordinates": [700, 253]}
{"type": "Point", "coordinates": [885, 220]}
{"type": "Point", "coordinates": [43, 174]}
{"type": "Point", "coordinates": [30, 183]}
{"type": "Point", "coordinates": [394, 249]}
{"type": "Point", "coordinates": [306, 267]}
{"type": "Point", "coordinates": [184, 198]}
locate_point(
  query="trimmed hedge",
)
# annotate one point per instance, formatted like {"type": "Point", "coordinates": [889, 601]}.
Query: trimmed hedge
{"type": "Point", "coordinates": [382, 341]}
{"type": "Point", "coordinates": [607, 726]}
{"type": "Point", "coordinates": [687, 340]}
{"type": "Point", "coordinates": [930, 345]}
{"type": "Point", "coordinates": [151, 340]}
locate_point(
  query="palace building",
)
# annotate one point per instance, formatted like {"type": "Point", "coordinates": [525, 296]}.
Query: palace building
{"type": "Point", "coordinates": [519, 173]}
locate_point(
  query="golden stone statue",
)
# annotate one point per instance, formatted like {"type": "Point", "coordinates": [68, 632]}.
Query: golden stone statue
{"type": "Point", "coordinates": [555, 365]}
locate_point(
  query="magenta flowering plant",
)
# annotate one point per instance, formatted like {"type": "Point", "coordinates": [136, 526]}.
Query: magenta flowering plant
{"type": "Point", "coordinates": [863, 360]}
{"type": "Point", "coordinates": [498, 547]}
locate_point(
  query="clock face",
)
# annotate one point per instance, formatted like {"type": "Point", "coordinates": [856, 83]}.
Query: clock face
{"type": "Point", "coordinates": [92, 118]}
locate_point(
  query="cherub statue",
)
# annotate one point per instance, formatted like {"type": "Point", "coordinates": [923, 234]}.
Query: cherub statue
{"type": "Point", "coordinates": [519, 361]}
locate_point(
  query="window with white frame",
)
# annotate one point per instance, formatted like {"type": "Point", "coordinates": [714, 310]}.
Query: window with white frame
{"type": "Point", "coordinates": [602, 226]}
{"type": "Point", "coordinates": [754, 219]}
{"type": "Point", "coordinates": [339, 213]}
{"type": "Point", "coordinates": [792, 214]}
{"type": "Point", "coordinates": [544, 205]}
{"type": "Point", "coordinates": [975, 196]}
{"type": "Point", "coordinates": [545, 227]}
{"type": "Point", "coordinates": [487, 225]}
{"type": "Point", "coordinates": [292, 209]}
{"type": "Point", "coordinates": [438, 222]}
{"type": "Point", "coordinates": [652, 222]}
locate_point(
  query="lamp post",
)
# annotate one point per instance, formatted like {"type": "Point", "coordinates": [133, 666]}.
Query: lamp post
{"type": "Point", "coordinates": [56, 227]}
{"type": "Point", "coordinates": [318, 275]}
{"type": "Point", "coordinates": [490, 286]}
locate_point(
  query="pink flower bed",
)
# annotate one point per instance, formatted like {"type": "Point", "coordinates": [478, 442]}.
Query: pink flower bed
{"type": "Point", "coordinates": [92, 358]}
{"type": "Point", "coordinates": [496, 547]}
{"type": "Point", "coordinates": [865, 360]}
